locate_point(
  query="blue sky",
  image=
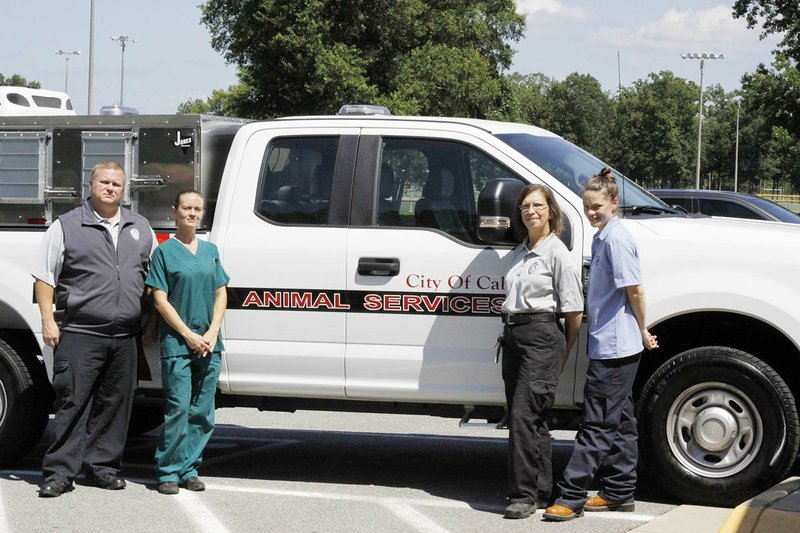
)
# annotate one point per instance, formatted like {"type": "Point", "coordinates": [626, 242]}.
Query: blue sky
{"type": "Point", "coordinates": [172, 59]}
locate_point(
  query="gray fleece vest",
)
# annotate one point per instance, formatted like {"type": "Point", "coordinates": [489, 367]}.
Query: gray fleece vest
{"type": "Point", "coordinates": [100, 288]}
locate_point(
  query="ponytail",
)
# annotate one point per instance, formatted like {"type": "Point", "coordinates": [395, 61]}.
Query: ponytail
{"type": "Point", "coordinates": [604, 182]}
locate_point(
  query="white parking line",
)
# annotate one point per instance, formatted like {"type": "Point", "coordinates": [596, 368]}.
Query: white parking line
{"type": "Point", "coordinates": [397, 503]}
{"type": "Point", "coordinates": [404, 508]}
{"type": "Point", "coordinates": [3, 522]}
{"type": "Point", "coordinates": [319, 495]}
{"type": "Point", "coordinates": [194, 509]}
{"type": "Point", "coordinates": [616, 515]}
{"type": "Point", "coordinates": [414, 518]}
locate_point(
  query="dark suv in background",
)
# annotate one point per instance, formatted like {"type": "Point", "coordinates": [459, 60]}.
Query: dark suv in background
{"type": "Point", "coordinates": [726, 204]}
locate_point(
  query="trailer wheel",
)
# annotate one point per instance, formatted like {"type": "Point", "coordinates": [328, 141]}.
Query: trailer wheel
{"type": "Point", "coordinates": [717, 426]}
{"type": "Point", "coordinates": [24, 408]}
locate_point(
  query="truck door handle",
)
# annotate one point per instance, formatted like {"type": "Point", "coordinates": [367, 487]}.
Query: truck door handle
{"type": "Point", "coordinates": [378, 266]}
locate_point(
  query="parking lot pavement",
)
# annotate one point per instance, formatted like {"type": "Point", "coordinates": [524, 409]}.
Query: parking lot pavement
{"type": "Point", "coordinates": [325, 472]}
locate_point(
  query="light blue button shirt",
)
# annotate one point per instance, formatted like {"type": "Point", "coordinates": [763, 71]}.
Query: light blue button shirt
{"type": "Point", "coordinates": [613, 330]}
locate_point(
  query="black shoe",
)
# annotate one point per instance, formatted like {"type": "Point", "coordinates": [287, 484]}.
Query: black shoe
{"type": "Point", "coordinates": [109, 482]}
{"type": "Point", "coordinates": [194, 484]}
{"type": "Point", "coordinates": [168, 487]}
{"type": "Point", "coordinates": [519, 510]}
{"type": "Point", "coordinates": [55, 488]}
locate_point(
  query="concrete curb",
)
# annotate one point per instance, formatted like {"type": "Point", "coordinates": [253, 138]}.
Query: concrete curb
{"type": "Point", "coordinates": [776, 510]}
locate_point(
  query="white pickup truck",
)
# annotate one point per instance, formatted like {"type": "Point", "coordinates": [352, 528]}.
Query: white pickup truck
{"type": "Point", "coordinates": [366, 263]}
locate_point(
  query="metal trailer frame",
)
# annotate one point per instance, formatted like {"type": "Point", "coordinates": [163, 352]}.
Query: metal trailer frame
{"type": "Point", "coordinates": [46, 162]}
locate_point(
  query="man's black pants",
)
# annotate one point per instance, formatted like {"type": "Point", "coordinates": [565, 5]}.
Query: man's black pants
{"type": "Point", "coordinates": [94, 378]}
{"type": "Point", "coordinates": [532, 358]}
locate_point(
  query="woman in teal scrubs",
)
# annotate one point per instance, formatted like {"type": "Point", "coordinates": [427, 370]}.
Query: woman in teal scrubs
{"type": "Point", "coordinates": [188, 284]}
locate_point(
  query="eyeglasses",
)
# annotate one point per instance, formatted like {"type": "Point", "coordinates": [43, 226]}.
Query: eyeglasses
{"type": "Point", "coordinates": [538, 208]}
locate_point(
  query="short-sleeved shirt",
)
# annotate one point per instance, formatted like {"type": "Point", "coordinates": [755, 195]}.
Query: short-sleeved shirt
{"type": "Point", "coordinates": [190, 281]}
{"type": "Point", "coordinates": [544, 279]}
{"type": "Point", "coordinates": [613, 330]}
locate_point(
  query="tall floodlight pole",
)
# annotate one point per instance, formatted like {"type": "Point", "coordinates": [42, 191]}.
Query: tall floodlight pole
{"type": "Point", "coordinates": [67, 56]}
{"type": "Point", "coordinates": [91, 58]}
{"type": "Point", "coordinates": [702, 57]}
{"type": "Point", "coordinates": [736, 156]}
{"type": "Point", "coordinates": [123, 41]}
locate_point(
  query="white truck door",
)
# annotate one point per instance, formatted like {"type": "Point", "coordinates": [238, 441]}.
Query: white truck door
{"type": "Point", "coordinates": [284, 247]}
{"type": "Point", "coordinates": [425, 293]}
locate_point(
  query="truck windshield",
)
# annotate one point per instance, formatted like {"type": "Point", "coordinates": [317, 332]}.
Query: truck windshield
{"type": "Point", "coordinates": [572, 166]}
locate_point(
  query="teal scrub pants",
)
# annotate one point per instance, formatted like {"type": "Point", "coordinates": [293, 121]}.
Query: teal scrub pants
{"type": "Point", "coordinates": [190, 384]}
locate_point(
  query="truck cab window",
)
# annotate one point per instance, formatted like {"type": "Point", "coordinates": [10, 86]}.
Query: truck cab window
{"type": "Point", "coordinates": [296, 177]}
{"type": "Point", "coordinates": [427, 183]}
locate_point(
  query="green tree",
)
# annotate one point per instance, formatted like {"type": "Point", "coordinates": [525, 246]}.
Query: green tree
{"type": "Point", "coordinates": [434, 87]}
{"type": "Point", "coordinates": [781, 161]}
{"type": "Point", "coordinates": [436, 57]}
{"type": "Point", "coordinates": [579, 111]}
{"type": "Point", "coordinates": [15, 80]}
{"type": "Point", "coordinates": [527, 100]}
{"type": "Point", "coordinates": [221, 102]}
{"type": "Point", "coordinates": [771, 100]}
{"type": "Point", "coordinates": [719, 138]}
{"type": "Point", "coordinates": [652, 138]}
{"type": "Point", "coordinates": [775, 92]}
{"type": "Point", "coordinates": [774, 16]}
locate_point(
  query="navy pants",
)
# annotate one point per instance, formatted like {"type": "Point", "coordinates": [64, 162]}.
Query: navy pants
{"type": "Point", "coordinates": [605, 446]}
{"type": "Point", "coordinates": [532, 358]}
{"type": "Point", "coordinates": [94, 379]}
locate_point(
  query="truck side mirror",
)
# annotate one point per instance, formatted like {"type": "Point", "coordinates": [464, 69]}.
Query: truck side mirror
{"type": "Point", "coordinates": [496, 204]}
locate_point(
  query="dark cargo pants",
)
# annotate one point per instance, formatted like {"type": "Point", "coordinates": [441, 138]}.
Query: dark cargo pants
{"type": "Point", "coordinates": [532, 358]}
{"type": "Point", "coordinates": [94, 379]}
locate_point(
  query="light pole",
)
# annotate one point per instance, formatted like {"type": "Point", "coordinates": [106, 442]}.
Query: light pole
{"type": "Point", "coordinates": [123, 40]}
{"type": "Point", "coordinates": [90, 90]}
{"type": "Point", "coordinates": [67, 55]}
{"type": "Point", "coordinates": [736, 156]}
{"type": "Point", "coordinates": [702, 57]}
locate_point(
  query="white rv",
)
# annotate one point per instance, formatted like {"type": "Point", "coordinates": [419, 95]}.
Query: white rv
{"type": "Point", "coordinates": [24, 101]}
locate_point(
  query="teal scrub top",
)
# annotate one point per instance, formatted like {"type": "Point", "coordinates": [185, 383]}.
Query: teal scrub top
{"type": "Point", "coordinates": [190, 281]}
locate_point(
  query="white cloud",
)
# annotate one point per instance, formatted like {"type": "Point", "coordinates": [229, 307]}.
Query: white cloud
{"type": "Point", "coordinates": [713, 28]}
{"type": "Point", "coordinates": [551, 8]}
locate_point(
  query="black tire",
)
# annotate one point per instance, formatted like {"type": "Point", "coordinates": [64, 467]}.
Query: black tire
{"type": "Point", "coordinates": [717, 426]}
{"type": "Point", "coordinates": [24, 407]}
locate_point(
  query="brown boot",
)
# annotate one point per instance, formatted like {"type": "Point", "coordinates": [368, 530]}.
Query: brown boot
{"type": "Point", "coordinates": [560, 513]}
{"type": "Point", "coordinates": [598, 503]}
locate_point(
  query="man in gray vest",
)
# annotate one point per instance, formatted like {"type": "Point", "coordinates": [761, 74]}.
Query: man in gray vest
{"type": "Point", "coordinates": [92, 264]}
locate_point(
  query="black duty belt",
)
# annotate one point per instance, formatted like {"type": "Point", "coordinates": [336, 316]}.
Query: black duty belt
{"type": "Point", "coordinates": [516, 319]}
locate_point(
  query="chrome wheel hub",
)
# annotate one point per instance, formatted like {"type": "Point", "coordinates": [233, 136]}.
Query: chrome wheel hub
{"type": "Point", "coordinates": [714, 429]}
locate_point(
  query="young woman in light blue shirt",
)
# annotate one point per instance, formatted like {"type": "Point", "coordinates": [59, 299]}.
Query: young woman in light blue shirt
{"type": "Point", "coordinates": [606, 443]}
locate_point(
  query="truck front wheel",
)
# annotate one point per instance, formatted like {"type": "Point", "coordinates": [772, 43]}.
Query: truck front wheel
{"type": "Point", "coordinates": [717, 426]}
{"type": "Point", "coordinates": [23, 407]}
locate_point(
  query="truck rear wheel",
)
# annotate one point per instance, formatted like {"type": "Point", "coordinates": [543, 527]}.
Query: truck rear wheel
{"type": "Point", "coordinates": [717, 426]}
{"type": "Point", "coordinates": [24, 408]}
